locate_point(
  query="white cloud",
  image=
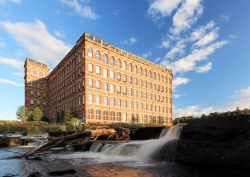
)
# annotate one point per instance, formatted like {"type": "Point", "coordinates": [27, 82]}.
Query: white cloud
{"type": "Point", "coordinates": [179, 48]}
{"type": "Point", "coordinates": [165, 43]}
{"type": "Point", "coordinates": [18, 74]}
{"type": "Point", "coordinates": [11, 83]}
{"type": "Point", "coordinates": [59, 34]}
{"type": "Point", "coordinates": [147, 54]}
{"type": "Point", "coordinates": [178, 95]}
{"type": "Point", "coordinates": [208, 38]}
{"type": "Point", "coordinates": [240, 98]}
{"type": "Point", "coordinates": [157, 59]}
{"type": "Point", "coordinates": [189, 62]}
{"type": "Point", "coordinates": [4, 2]}
{"type": "Point", "coordinates": [162, 8]}
{"type": "Point", "coordinates": [180, 81]}
{"type": "Point", "coordinates": [205, 68]}
{"type": "Point", "coordinates": [35, 38]}
{"type": "Point", "coordinates": [84, 11]}
{"type": "Point", "coordinates": [11, 62]}
{"type": "Point", "coordinates": [201, 31]}
{"type": "Point", "coordinates": [2, 44]}
{"type": "Point", "coordinates": [186, 15]}
{"type": "Point", "coordinates": [131, 41]}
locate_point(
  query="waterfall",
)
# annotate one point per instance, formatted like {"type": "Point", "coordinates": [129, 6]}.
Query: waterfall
{"type": "Point", "coordinates": [159, 149]}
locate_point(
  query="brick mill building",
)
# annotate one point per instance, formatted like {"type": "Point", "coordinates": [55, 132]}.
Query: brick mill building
{"type": "Point", "coordinates": [102, 83]}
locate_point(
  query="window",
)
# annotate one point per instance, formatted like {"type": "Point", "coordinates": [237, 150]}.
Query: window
{"type": "Point", "coordinates": [118, 89]}
{"type": "Point", "coordinates": [105, 115]}
{"type": "Point", "coordinates": [31, 83]}
{"type": "Point", "coordinates": [38, 85]}
{"type": "Point", "coordinates": [105, 100]}
{"type": "Point", "coordinates": [98, 84]}
{"type": "Point", "coordinates": [31, 71]}
{"type": "Point", "coordinates": [44, 73]}
{"type": "Point", "coordinates": [130, 80]}
{"type": "Point", "coordinates": [31, 101]}
{"type": "Point", "coordinates": [112, 102]}
{"type": "Point", "coordinates": [38, 102]}
{"type": "Point", "coordinates": [130, 105]}
{"type": "Point", "coordinates": [118, 63]}
{"type": "Point", "coordinates": [97, 69]}
{"type": "Point", "coordinates": [118, 76]}
{"type": "Point", "coordinates": [98, 115]}
{"type": "Point", "coordinates": [124, 90]}
{"type": "Point", "coordinates": [31, 92]}
{"type": "Point", "coordinates": [44, 95]}
{"type": "Point", "coordinates": [124, 77]}
{"type": "Point", "coordinates": [124, 117]}
{"type": "Point", "coordinates": [112, 61]}
{"type": "Point", "coordinates": [135, 69]}
{"type": "Point", "coordinates": [118, 116]}
{"type": "Point", "coordinates": [105, 73]}
{"type": "Point", "coordinates": [83, 101]}
{"type": "Point", "coordinates": [38, 72]}
{"type": "Point", "coordinates": [111, 88]}
{"type": "Point", "coordinates": [90, 82]}
{"type": "Point", "coordinates": [112, 115]}
{"type": "Point", "coordinates": [105, 58]}
{"type": "Point", "coordinates": [90, 98]}
{"type": "Point", "coordinates": [91, 114]}
{"type": "Point", "coordinates": [98, 99]}
{"type": "Point", "coordinates": [124, 65]}
{"type": "Point", "coordinates": [97, 55]}
{"type": "Point", "coordinates": [135, 81]}
{"type": "Point", "coordinates": [118, 102]}
{"type": "Point", "coordinates": [146, 72]}
{"type": "Point", "coordinates": [130, 67]}
{"type": "Point", "coordinates": [112, 74]}
{"type": "Point", "coordinates": [90, 67]}
{"type": "Point", "coordinates": [44, 103]}
{"type": "Point", "coordinates": [90, 52]}
{"type": "Point", "coordinates": [124, 103]}
{"type": "Point", "coordinates": [105, 86]}
{"type": "Point", "coordinates": [38, 93]}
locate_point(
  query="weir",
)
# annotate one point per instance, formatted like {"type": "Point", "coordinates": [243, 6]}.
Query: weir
{"type": "Point", "coordinates": [154, 149]}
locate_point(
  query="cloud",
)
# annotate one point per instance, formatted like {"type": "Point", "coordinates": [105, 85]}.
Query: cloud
{"type": "Point", "coordinates": [208, 38]}
{"type": "Point", "coordinates": [205, 68]}
{"type": "Point", "coordinates": [18, 74]}
{"type": "Point", "coordinates": [35, 38]}
{"type": "Point", "coordinates": [11, 62]}
{"type": "Point", "coordinates": [240, 98]}
{"type": "Point", "coordinates": [165, 43]}
{"type": "Point", "coordinates": [130, 42]}
{"type": "Point", "coordinates": [178, 95]}
{"type": "Point", "coordinates": [4, 2]}
{"type": "Point", "coordinates": [147, 54]}
{"type": "Point", "coordinates": [189, 62]}
{"type": "Point", "coordinates": [84, 11]}
{"type": "Point", "coordinates": [178, 49]}
{"type": "Point", "coordinates": [2, 44]}
{"type": "Point", "coordinates": [11, 83]}
{"type": "Point", "coordinates": [162, 8]}
{"type": "Point", "coordinates": [186, 15]}
{"type": "Point", "coordinates": [201, 31]}
{"type": "Point", "coordinates": [59, 34]}
{"type": "Point", "coordinates": [157, 60]}
{"type": "Point", "coordinates": [180, 81]}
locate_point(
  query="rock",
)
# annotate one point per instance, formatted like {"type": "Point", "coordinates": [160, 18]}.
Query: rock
{"type": "Point", "coordinates": [217, 142]}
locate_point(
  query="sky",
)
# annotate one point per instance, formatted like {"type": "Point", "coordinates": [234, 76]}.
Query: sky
{"type": "Point", "coordinates": [205, 42]}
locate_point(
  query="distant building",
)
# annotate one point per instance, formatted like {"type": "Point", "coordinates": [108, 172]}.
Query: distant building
{"type": "Point", "coordinates": [101, 83]}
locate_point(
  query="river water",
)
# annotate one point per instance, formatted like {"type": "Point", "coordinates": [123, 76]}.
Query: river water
{"type": "Point", "coordinates": [151, 158]}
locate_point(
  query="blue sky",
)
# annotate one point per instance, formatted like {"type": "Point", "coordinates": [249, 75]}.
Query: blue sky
{"type": "Point", "coordinates": [205, 42]}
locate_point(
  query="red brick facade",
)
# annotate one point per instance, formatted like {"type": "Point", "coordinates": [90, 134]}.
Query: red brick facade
{"type": "Point", "coordinates": [104, 84]}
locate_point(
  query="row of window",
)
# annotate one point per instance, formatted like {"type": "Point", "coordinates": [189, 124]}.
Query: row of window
{"type": "Point", "coordinates": [117, 102]}
{"type": "Point", "coordinates": [147, 85]}
{"type": "Point", "coordinates": [37, 84]}
{"type": "Point", "coordinates": [125, 117]}
{"type": "Point", "coordinates": [37, 102]}
{"type": "Point", "coordinates": [37, 72]}
{"type": "Point", "coordinates": [37, 93]}
{"type": "Point", "coordinates": [125, 66]}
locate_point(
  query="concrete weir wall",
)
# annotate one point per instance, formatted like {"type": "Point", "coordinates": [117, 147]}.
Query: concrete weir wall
{"type": "Point", "coordinates": [146, 133]}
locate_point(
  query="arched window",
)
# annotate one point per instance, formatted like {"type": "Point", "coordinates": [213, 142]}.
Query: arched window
{"type": "Point", "coordinates": [146, 72]}
{"type": "Point", "coordinates": [154, 76]}
{"type": "Point", "coordinates": [130, 67]}
{"type": "Point", "coordinates": [150, 74]}
{"type": "Point", "coordinates": [31, 71]}
{"type": "Point", "coordinates": [90, 52]}
{"type": "Point", "coordinates": [97, 55]}
{"type": "Point", "coordinates": [135, 69]}
{"type": "Point", "coordinates": [159, 77]}
{"type": "Point", "coordinates": [118, 63]}
{"type": "Point", "coordinates": [141, 71]}
{"type": "Point", "coordinates": [105, 58]}
{"type": "Point", "coordinates": [112, 61]}
{"type": "Point", "coordinates": [124, 65]}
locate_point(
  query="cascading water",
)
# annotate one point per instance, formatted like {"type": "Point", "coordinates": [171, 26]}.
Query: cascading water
{"type": "Point", "coordinates": [143, 150]}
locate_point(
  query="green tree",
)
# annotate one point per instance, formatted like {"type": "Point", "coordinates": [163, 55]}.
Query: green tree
{"type": "Point", "coordinates": [66, 114]}
{"type": "Point", "coordinates": [22, 113]}
{"type": "Point", "coordinates": [37, 114]}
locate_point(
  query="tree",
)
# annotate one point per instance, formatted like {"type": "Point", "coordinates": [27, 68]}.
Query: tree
{"type": "Point", "coordinates": [37, 114]}
{"type": "Point", "coordinates": [66, 114]}
{"type": "Point", "coordinates": [22, 113]}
